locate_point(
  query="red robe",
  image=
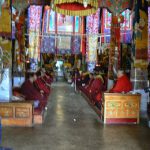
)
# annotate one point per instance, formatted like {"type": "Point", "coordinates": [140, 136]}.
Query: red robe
{"type": "Point", "coordinates": [47, 79]}
{"type": "Point", "coordinates": [30, 92]}
{"type": "Point", "coordinates": [40, 85]}
{"type": "Point", "coordinates": [123, 84]}
{"type": "Point", "coordinates": [96, 86]}
{"type": "Point", "coordinates": [96, 90]}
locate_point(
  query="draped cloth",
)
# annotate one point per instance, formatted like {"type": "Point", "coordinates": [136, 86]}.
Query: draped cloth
{"type": "Point", "coordinates": [53, 41]}
{"type": "Point", "coordinates": [76, 44]}
{"type": "Point", "coordinates": [5, 23]}
{"type": "Point", "coordinates": [92, 28]}
{"type": "Point", "coordinates": [35, 14]}
{"type": "Point", "coordinates": [47, 41]}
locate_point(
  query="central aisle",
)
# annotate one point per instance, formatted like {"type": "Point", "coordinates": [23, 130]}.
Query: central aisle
{"type": "Point", "coordinates": [71, 124]}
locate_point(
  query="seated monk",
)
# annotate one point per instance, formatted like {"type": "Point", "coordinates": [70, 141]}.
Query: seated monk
{"type": "Point", "coordinates": [46, 77]}
{"type": "Point", "coordinates": [28, 89]}
{"type": "Point", "coordinates": [96, 87]}
{"type": "Point", "coordinates": [40, 84]}
{"type": "Point", "coordinates": [87, 87]}
{"type": "Point", "coordinates": [84, 79]}
{"type": "Point", "coordinates": [123, 84]}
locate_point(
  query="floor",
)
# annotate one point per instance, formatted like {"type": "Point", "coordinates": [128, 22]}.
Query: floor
{"type": "Point", "coordinates": [71, 124]}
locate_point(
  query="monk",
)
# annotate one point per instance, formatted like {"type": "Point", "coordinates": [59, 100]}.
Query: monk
{"type": "Point", "coordinates": [41, 85]}
{"type": "Point", "coordinates": [123, 83]}
{"type": "Point", "coordinates": [47, 78]}
{"type": "Point", "coordinates": [95, 88]}
{"type": "Point", "coordinates": [28, 89]}
{"type": "Point", "coordinates": [88, 86]}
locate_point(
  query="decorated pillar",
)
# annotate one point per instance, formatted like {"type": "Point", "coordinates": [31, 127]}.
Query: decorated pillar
{"type": "Point", "coordinates": [139, 74]}
{"type": "Point", "coordinates": [114, 53]}
{"type": "Point", "coordinates": [92, 29]}
{"type": "Point", "coordinates": [115, 7]}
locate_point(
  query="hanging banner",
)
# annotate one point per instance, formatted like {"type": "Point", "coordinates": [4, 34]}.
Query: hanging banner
{"type": "Point", "coordinates": [64, 44]}
{"type": "Point", "coordinates": [92, 28]}
{"type": "Point", "coordinates": [34, 16]}
{"type": "Point", "coordinates": [140, 35]}
{"type": "Point", "coordinates": [5, 22]}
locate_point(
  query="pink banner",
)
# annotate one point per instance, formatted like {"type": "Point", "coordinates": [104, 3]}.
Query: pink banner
{"type": "Point", "coordinates": [35, 13]}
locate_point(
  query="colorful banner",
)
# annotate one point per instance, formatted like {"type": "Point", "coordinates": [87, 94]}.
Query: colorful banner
{"type": "Point", "coordinates": [5, 23]}
{"type": "Point", "coordinates": [92, 28]}
{"type": "Point", "coordinates": [76, 44]}
{"type": "Point", "coordinates": [34, 16]}
{"type": "Point", "coordinates": [126, 26]}
{"type": "Point", "coordinates": [140, 34]}
{"type": "Point", "coordinates": [48, 40]}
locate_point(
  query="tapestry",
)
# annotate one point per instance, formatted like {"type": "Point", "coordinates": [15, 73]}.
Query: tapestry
{"type": "Point", "coordinates": [76, 44]}
{"type": "Point", "coordinates": [92, 28]}
{"type": "Point", "coordinates": [48, 40]}
{"type": "Point", "coordinates": [64, 44]}
{"type": "Point", "coordinates": [58, 33]}
{"type": "Point", "coordinates": [140, 45]}
{"type": "Point", "coordinates": [34, 19]}
{"type": "Point", "coordinates": [126, 26]}
{"type": "Point", "coordinates": [140, 34]}
{"type": "Point", "coordinates": [5, 23]}
{"type": "Point", "coordinates": [64, 23]}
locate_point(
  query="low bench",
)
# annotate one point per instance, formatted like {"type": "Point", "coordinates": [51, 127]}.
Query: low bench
{"type": "Point", "coordinates": [16, 113]}
{"type": "Point", "coordinates": [120, 108]}
{"type": "Point", "coordinates": [22, 113]}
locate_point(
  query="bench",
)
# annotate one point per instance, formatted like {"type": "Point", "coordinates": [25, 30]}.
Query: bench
{"type": "Point", "coordinates": [16, 113]}
{"type": "Point", "coordinates": [120, 108]}
{"type": "Point", "coordinates": [40, 112]}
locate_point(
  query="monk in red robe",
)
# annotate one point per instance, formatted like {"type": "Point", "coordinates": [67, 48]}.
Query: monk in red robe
{"type": "Point", "coordinates": [96, 87]}
{"type": "Point", "coordinates": [88, 86]}
{"type": "Point", "coordinates": [29, 90]}
{"type": "Point", "coordinates": [41, 85]}
{"type": "Point", "coordinates": [123, 83]}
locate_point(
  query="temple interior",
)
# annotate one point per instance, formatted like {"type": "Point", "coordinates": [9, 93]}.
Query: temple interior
{"type": "Point", "coordinates": [74, 74]}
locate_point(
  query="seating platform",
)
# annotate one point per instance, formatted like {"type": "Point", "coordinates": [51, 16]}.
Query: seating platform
{"type": "Point", "coordinates": [120, 108]}
{"type": "Point", "coordinates": [116, 108]}
{"type": "Point", "coordinates": [16, 113]}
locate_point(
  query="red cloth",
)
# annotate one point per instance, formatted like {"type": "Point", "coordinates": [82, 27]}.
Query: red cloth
{"type": "Point", "coordinates": [30, 92]}
{"type": "Point", "coordinates": [123, 84]}
{"type": "Point", "coordinates": [96, 86]}
{"type": "Point", "coordinates": [47, 79]}
{"type": "Point", "coordinates": [40, 84]}
{"type": "Point", "coordinates": [88, 87]}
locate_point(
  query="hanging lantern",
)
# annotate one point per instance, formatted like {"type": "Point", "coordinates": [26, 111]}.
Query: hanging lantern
{"type": "Point", "coordinates": [20, 5]}
{"type": "Point", "coordinates": [75, 7]}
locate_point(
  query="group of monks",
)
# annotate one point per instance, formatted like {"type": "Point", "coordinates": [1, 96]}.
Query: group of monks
{"type": "Point", "coordinates": [37, 86]}
{"type": "Point", "coordinates": [94, 86]}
